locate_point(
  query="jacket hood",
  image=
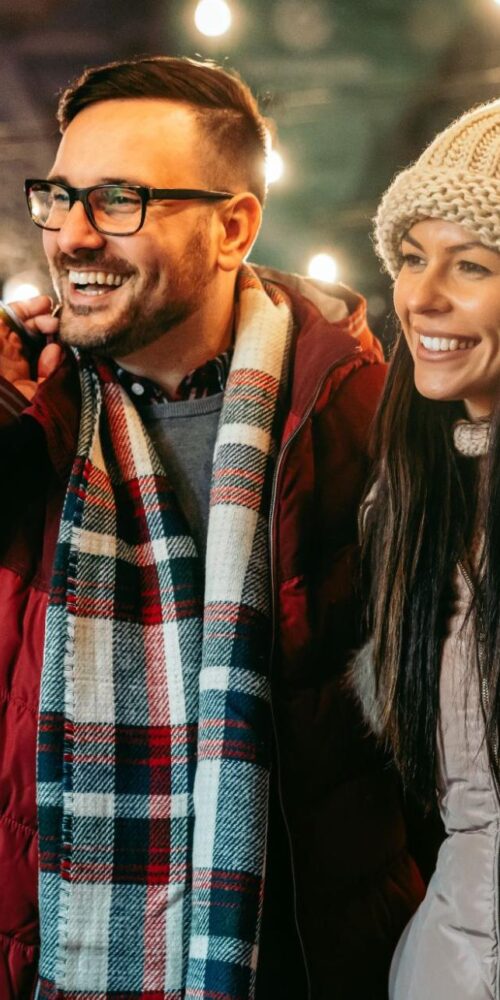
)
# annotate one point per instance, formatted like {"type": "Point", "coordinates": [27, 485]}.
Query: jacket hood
{"type": "Point", "coordinates": [334, 302]}
{"type": "Point", "coordinates": [330, 329]}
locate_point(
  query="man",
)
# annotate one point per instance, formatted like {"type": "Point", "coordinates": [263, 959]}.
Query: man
{"type": "Point", "coordinates": [179, 531]}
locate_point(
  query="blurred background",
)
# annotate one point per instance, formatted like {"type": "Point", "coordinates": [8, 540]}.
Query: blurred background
{"type": "Point", "coordinates": [356, 89]}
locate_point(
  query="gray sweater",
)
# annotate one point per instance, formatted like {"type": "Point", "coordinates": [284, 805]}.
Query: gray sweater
{"type": "Point", "coordinates": [184, 433]}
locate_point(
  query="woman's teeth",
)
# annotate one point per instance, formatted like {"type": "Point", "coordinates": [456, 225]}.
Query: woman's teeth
{"type": "Point", "coordinates": [85, 279]}
{"type": "Point", "coordinates": [446, 343]}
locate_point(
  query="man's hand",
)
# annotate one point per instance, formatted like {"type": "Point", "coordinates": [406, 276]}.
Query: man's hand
{"type": "Point", "coordinates": [36, 314]}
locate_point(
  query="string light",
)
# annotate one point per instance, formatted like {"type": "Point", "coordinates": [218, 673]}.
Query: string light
{"type": "Point", "coordinates": [274, 166]}
{"type": "Point", "coordinates": [212, 17]}
{"type": "Point", "coordinates": [323, 267]}
{"type": "Point", "coordinates": [19, 291]}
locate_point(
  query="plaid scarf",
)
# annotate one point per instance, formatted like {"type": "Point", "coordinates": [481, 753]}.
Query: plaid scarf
{"type": "Point", "coordinates": [154, 719]}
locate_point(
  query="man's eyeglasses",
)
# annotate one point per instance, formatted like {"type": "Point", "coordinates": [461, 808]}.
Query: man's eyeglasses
{"type": "Point", "coordinates": [113, 209]}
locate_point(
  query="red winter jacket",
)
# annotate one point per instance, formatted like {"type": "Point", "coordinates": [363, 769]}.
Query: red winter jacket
{"type": "Point", "coordinates": [340, 884]}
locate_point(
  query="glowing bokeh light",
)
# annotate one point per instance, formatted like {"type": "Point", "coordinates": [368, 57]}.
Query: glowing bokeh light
{"type": "Point", "coordinates": [15, 291]}
{"type": "Point", "coordinates": [323, 267]}
{"type": "Point", "coordinates": [212, 17]}
{"type": "Point", "coordinates": [274, 166]}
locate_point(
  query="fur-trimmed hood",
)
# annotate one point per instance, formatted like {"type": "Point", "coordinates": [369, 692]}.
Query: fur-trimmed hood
{"type": "Point", "coordinates": [361, 680]}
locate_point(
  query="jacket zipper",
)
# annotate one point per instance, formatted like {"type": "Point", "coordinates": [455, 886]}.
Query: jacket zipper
{"type": "Point", "coordinates": [272, 509]}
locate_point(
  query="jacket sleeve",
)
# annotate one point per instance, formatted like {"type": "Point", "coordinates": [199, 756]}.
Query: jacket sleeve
{"type": "Point", "coordinates": [40, 434]}
{"type": "Point", "coordinates": [12, 403]}
{"type": "Point", "coordinates": [24, 458]}
{"type": "Point", "coordinates": [37, 445]}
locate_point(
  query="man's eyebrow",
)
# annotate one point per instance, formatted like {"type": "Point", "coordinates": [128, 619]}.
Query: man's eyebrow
{"type": "Point", "coordinates": [123, 180]}
{"type": "Point", "coordinates": [61, 179]}
{"type": "Point", "coordinates": [454, 248]}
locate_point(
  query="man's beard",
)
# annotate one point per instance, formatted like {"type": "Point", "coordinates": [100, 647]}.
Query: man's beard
{"type": "Point", "coordinates": [137, 325]}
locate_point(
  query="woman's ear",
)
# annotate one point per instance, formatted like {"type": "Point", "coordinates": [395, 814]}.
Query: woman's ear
{"type": "Point", "coordinates": [240, 222]}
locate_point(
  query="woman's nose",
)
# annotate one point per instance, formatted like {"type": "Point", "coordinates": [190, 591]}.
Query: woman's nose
{"type": "Point", "coordinates": [427, 292]}
{"type": "Point", "coordinates": [77, 232]}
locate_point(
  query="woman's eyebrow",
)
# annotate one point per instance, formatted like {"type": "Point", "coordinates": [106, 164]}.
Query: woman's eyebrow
{"type": "Point", "coordinates": [410, 239]}
{"type": "Point", "coordinates": [471, 245]}
{"type": "Point", "coordinates": [453, 248]}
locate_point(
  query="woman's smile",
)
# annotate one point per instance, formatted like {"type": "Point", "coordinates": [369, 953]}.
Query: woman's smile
{"type": "Point", "coordinates": [447, 297]}
{"type": "Point", "coordinates": [444, 347]}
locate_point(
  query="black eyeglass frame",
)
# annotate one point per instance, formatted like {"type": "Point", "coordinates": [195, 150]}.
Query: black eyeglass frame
{"type": "Point", "coordinates": [146, 195]}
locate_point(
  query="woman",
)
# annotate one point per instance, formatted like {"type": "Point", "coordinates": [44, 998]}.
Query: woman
{"type": "Point", "coordinates": [431, 682]}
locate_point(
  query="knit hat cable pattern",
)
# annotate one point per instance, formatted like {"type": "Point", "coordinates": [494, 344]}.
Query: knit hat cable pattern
{"type": "Point", "coordinates": [457, 178]}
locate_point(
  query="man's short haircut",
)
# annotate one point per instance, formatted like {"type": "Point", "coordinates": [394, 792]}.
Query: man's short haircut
{"type": "Point", "coordinates": [223, 104]}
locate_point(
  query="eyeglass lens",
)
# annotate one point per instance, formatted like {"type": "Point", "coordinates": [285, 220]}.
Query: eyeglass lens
{"type": "Point", "coordinates": [113, 208]}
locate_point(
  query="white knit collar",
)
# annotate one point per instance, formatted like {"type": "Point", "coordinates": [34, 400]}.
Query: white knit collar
{"type": "Point", "coordinates": [471, 437]}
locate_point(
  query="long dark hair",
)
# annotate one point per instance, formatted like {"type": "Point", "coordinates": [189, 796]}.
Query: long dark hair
{"type": "Point", "coordinates": [416, 529]}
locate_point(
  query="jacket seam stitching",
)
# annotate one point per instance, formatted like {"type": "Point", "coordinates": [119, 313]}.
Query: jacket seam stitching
{"type": "Point", "coordinates": [351, 365]}
{"type": "Point", "coordinates": [19, 569]}
{"type": "Point", "coordinates": [31, 830]}
{"type": "Point", "coordinates": [6, 695]}
{"type": "Point", "coordinates": [10, 939]}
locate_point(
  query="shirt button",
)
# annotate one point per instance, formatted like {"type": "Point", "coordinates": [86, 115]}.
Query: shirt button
{"type": "Point", "coordinates": [137, 389]}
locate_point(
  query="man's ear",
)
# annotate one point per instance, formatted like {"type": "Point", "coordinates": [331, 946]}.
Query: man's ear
{"type": "Point", "coordinates": [240, 222]}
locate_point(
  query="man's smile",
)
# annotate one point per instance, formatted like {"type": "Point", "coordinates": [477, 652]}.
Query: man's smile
{"type": "Point", "coordinates": [95, 282]}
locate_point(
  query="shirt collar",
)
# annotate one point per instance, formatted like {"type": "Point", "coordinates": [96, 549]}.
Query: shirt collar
{"type": "Point", "coordinates": [207, 380]}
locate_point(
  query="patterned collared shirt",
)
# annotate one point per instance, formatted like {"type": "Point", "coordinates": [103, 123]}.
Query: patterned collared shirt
{"type": "Point", "coordinates": [206, 380]}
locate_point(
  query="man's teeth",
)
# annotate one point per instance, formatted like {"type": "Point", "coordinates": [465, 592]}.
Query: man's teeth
{"type": "Point", "coordinates": [446, 343]}
{"type": "Point", "coordinates": [96, 278]}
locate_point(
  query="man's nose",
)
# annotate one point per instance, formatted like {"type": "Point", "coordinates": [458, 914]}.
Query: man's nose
{"type": "Point", "coordinates": [77, 232]}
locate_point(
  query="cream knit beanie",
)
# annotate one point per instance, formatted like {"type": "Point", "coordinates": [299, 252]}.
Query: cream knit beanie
{"type": "Point", "coordinates": [457, 178]}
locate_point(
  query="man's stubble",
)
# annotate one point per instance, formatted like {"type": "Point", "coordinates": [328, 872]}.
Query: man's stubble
{"type": "Point", "coordinates": [140, 323]}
